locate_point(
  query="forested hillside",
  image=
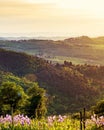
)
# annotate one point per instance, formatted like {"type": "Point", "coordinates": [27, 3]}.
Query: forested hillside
{"type": "Point", "coordinates": [69, 87]}
{"type": "Point", "coordinates": [20, 63]}
{"type": "Point", "coordinates": [21, 96]}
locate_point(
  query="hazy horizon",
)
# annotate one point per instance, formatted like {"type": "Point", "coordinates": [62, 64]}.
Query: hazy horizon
{"type": "Point", "coordinates": [51, 18]}
{"type": "Point", "coordinates": [40, 36]}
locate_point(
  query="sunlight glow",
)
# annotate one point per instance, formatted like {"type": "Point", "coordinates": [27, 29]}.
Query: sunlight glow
{"type": "Point", "coordinates": [74, 16]}
{"type": "Point", "coordinates": [40, 1]}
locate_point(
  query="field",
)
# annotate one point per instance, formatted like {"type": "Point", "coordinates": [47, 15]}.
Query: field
{"type": "Point", "coordinates": [21, 122]}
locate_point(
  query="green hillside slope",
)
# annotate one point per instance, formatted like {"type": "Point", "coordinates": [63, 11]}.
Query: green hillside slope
{"type": "Point", "coordinates": [69, 87]}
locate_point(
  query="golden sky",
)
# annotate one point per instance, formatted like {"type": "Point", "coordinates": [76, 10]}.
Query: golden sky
{"type": "Point", "coordinates": [52, 17]}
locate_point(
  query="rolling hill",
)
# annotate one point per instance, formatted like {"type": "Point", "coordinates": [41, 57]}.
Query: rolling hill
{"type": "Point", "coordinates": [79, 50]}
{"type": "Point", "coordinates": [69, 87]}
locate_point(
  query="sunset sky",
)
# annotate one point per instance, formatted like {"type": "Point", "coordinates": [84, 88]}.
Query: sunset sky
{"type": "Point", "coordinates": [51, 17]}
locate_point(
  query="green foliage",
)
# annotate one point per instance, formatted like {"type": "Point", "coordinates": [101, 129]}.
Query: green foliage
{"type": "Point", "coordinates": [37, 99]}
{"type": "Point", "coordinates": [23, 64]}
{"type": "Point", "coordinates": [72, 90]}
{"type": "Point", "coordinates": [11, 95]}
{"type": "Point", "coordinates": [99, 108]}
{"type": "Point", "coordinates": [72, 86]}
{"type": "Point", "coordinates": [21, 94]}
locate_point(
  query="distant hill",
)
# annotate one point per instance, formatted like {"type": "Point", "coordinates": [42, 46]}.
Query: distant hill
{"type": "Point", "coordinates": [81, 40]}
{"type": "Point", "coordinates": [99, 40]}
{"type": "Point", "coordinates": [55, 38]}
{"type": "Point", "coordinates": [19, 63]}
{"type": "Point", "coordinates": [79, 50]}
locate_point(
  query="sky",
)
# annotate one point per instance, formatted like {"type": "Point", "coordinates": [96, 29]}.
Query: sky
{"type": "Point", "coordinates": [51, 17]}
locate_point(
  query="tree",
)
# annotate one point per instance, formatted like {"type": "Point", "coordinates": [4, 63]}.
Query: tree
{"type": "Point", "coordinates": [11, 96]}
{"type": "Point", "coordinates": [99, 108]}
{"type": "Point", "coordinates": [37, 99]}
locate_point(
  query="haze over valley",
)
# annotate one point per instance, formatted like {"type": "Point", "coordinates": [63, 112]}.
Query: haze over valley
{"type": "Point", "coordinates": [79, 50]}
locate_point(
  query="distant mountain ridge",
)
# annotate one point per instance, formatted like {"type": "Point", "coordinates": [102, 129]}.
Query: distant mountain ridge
{"type": "Point", "coordinates": [35, 37]}
{"type": "Point", "coordinates": [79, 50]}
{"type": "Point", "coordinates": [82, 39]}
